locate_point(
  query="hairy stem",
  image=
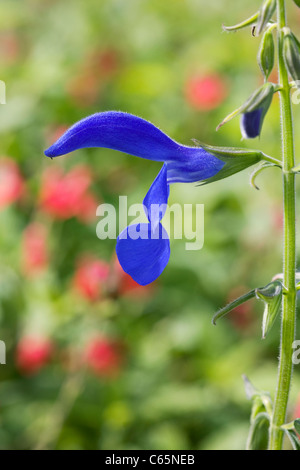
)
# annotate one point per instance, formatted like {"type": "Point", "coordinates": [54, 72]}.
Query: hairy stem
{"type": "Point", "coordinates": [288, 325]}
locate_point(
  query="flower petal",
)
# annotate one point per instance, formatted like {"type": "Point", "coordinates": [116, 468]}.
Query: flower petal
{"type": "Point", "coordinates": [143, 258]}
{"type": "Point", "coordinates": [251, 123]}
{"type": "Point", "coordinates": [156, 199]}
{"type": "Point", "coordinates": [130, 134]}
{"type": "Point", "coordinates": [118, 131]}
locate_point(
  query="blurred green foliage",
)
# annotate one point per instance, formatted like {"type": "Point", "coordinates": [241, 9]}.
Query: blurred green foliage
{"type": "Point", "coordinates": [179, 385]}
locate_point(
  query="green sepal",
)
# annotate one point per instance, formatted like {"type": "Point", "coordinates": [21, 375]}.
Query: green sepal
{"type": "Point", "coordinates": [244, 24]}
{"type": "Point", "coordinates": [291, 50]}
{"type": "Point", "coordinates": [266, 53]}
{"type": "Point", "coordinates": [258, 434]}
{"type": "Point", "coordinates": [271, 295]}
{"type": "Point", "coordinates": [235, 159]}
{"type": "Point", "coordinates": [265, 15]}
{"type": "Point", "coordinates": [297, 425]}
{"type": "Point", "coordinates": [261, 98]}
{"type": "Point", "coordinates": [297, 2]}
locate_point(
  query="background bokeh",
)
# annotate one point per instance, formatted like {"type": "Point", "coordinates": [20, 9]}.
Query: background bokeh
{"type": "Point", "coordinates": [93, 360]}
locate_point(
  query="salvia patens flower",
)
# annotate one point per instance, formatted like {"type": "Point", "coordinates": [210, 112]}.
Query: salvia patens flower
{"type": "Point", "coordinates": [144, 249]}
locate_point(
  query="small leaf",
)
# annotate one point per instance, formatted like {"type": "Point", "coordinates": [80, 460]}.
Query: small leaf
{"type": "Point", "coordinates": [248, 22]}
{"type": "Point", "coordinates": [293, 439]}
{"type": "Point", "coordinates": [258, 434]}
{"type": "Point", "coordinates": [271, 295]}
{"type": "Point", "coordinates": [232, 305]}
{"type": "Point", "coordinates": [297, 2]}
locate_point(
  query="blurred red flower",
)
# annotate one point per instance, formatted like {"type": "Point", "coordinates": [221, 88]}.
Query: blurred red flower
{"type": "Point", "coordinates": [103, 356]}
{"type": "Point", "coordinates": [32, 354]}
{"type": "Point", "coordinates": [62, 195]}
{"type": "Point", "coordinates": [205, 92]}
{"type": "Point", "coordinates": [90, 277]}
{"type": "Point", "coordinates": [11, 182]}
{"type": "Point", "coordinates": [34, 249]}
{"type": "Point", "coordinates": [9, 47]}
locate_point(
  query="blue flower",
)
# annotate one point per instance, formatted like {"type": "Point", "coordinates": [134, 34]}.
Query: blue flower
{"type": "Point", "coordinates": [144, 249]}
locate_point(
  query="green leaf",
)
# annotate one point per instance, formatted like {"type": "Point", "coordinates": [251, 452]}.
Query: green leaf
{"type": "Point", "coordinates": [297, 2]}
{"type": "Point", "coordinates": [271, 295]}
{"type": "Point", "coordinates": [259, 431]}
{"type": "Point", "coordinates": [293, 439]}
{"type": "Point", "coordinates": [248, 22]}
{"type": "Point", "coordinates": [232, 305]}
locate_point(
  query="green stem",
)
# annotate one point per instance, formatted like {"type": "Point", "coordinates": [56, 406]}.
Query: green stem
{"type": "Point", "coordinates": [288, 326]}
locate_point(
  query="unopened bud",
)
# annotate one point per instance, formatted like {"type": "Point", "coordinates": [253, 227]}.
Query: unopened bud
{"type": "Point", "coordinates": [266, 54]}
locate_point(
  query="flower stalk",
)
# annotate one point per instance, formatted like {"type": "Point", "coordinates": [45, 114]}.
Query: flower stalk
{"type": "Point", "coordinates": [288, 324]}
